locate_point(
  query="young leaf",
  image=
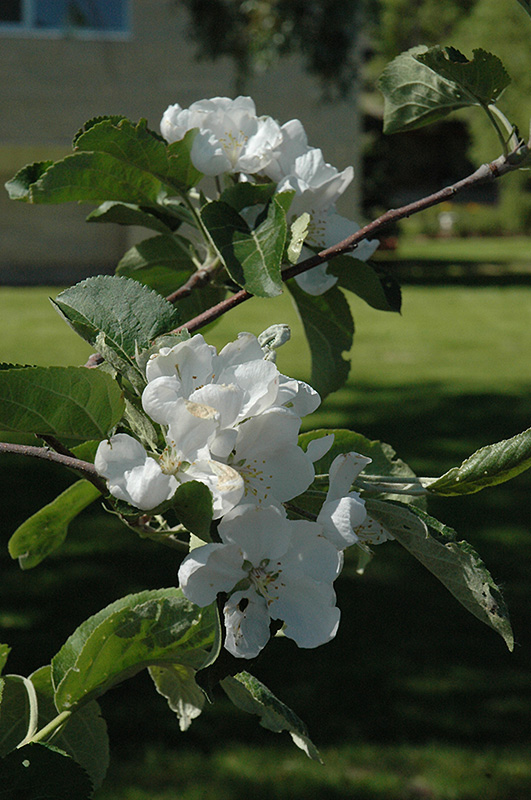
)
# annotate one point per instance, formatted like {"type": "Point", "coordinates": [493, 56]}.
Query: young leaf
{"type": "Point", "coordinates": [135, 632]}
{"type": "Point", "coordinates": [488, 466]}
{"type": "Point", "coordinates": [455, 563]}
{"type": "Point", "coordinates": [129, 314]}
{"type": "Point", "coordinates": [329, 328]}
{"type": "Point", "coordinates": [84, 736]}
{"type": "Point", "coordinates": [424, 85]}
{"type": "Point", "coordinates": [176, 682]}
{"type": "Point", "coordinates": [299, 232]}
{"type": "Point", "coordinates": [46, 530]}
{"type": "Point", "coordinates": [67, 402]}
{"type": "Point", "coordinates": [379, 291]}
{"type": "Point", "coordinates": [252, 256]}
{"type": "Point", "coordinates": [42, 772]}
{"type": "Point", "coordinates": [250, 694]}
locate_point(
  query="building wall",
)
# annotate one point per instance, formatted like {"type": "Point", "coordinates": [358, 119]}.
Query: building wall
{"type": "Point", "coordinates": [51, 86]}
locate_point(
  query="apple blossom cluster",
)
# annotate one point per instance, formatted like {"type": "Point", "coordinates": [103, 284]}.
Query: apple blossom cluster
{"type": "Point", "coordinates": [231, 421]}
{"type": "Point", "coordinates": [232, 139]}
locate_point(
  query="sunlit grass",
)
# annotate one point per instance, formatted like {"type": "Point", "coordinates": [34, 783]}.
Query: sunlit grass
{"type": "Point", "coordinates": [455, 335]}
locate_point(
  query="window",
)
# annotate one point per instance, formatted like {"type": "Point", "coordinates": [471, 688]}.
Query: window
{"type": "Point", "coordinates": [89, 18]}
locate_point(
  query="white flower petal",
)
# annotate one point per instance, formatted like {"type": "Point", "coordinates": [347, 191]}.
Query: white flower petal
{"type": "Point", "coordinates": [208, 570]}
{"type": "Point", "coordinates": [132, 475]}
{"type": "Point", "coordinates": [373, 532]}
{"type": "Point", "coordinates": [298, 396]}
{"type": "Point", "coordinates": [159, 397]}
{"type": "Point", "coordinates": [311, 554]}
{"type": "Point", "coordinates": [317, 448]}
{"type": "Point", "coordinates": [344, 469]}
{"type": "Point", "coordinates": [225, 483]}
{"type": "Point", "coordinates": [191, 361]}
{"type": "Point", "coordinates": [341, 518]}
{"type": "Point", "coordinates": [260, 532]}
{"type": "Point", "coordinates": [246, 623]}
{"type": "Point", "coordinates": [309, 612]}
{"type": "Point", "coordinates": [315, 281]}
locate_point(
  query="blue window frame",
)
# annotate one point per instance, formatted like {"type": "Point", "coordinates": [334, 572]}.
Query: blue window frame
{"type": "Point", "coordinates": [84, 18]}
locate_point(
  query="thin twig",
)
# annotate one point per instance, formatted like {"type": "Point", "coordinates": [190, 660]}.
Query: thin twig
{"type": "Point", "coordinates": [87, 469]}
{"type": "Point", "coordinates": [196, 280]}
{"type": "Point", "coordinates": [484, 174]}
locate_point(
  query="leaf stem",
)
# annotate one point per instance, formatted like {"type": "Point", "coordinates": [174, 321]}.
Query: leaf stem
{"type": "Point", "coordinates": [52, 727]}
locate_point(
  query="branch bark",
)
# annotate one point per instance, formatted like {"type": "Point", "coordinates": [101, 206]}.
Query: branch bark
{"type": "Point", "coordinates": [87, 470]}
{"type": "Point", "coordinates": [484, 174]}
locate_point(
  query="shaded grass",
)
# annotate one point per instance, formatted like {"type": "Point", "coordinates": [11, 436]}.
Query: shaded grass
{"type": "Point", "coordinates": [414, 698]}
{"type": "Point", "coordinates": [364, 772]}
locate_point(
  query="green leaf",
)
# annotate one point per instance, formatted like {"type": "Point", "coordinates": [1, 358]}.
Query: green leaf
{"type": "Point", "coordinates": [129, 314]}
{"type": "Point", "coordinates": [135, 632]}
{"type": "Point", "coordinates": [130, 214]}
{"type": "Point", "coordinates": [84, 737]}
{"type": "Point", "coordinates": [172, 252]}
{"type": "Point", "coordinates": [250, 694]}
{"type": "Point", "coordinates": [4, 652]}
{"type": "Point", "coordinates": [424, 85]}
{"type": "Point", "coordinates": [14, 713]}
{"type": "Point", "coordinates": [42, 772]}
{"type": "Point", "coordinates": [378, 290]}
{"type": "Point", "coordinates": [18, 188]}
{"type": "Point", "coordinates": [136, 145]}
{"type": "Point", "coordinates": [46, 530]}
{"type": "Point", "coordinates": [382, 455]}
{"type": "Point", "coordinates": [526, 5]}
{"type": "Point", "coordinates": [493, 464]}
{"type": "Point", "coordinates": [329, 328]}
{"type": "Point", "coordinates": [94, 178]}
{"type": "Point", "coordinates": [193, 505]}
{"type": "Point", "coordinates": [243, 195]}
{"type": "Point", "coordinates": [252, 256]}
{"type": "Point", "coordinates": [176, 682]}
{"type": "Point", "coordinates": [483, 78]}
{"type": "Point", "coordinates": [68, 402]}
{"type": "Point", "coordinates": [455, 563]}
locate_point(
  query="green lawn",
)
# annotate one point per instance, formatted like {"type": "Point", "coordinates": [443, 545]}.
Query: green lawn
{"type": "Point", "coordinates": [415, 698]}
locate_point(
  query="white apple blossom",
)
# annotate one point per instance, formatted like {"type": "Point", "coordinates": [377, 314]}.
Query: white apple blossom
{"type": "Point", "coordinates": [190, 367]}
{"type": "Point", "coordinates": [146, 480]}
{"type": "Point", "coordinates": [231, 138]}
{"type": "Point", "coordinates": [273, 569]}
{"type": "Point", "coordinates": [343, 515]}
{"type": "Point", "coordinates": [327, 228]}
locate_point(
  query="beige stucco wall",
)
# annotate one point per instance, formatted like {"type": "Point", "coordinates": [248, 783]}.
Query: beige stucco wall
{"type": "Point", "coordinates": [49, 87]}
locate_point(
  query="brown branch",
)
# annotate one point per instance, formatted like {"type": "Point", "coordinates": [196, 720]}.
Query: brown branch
{"type": "Point", "coordinates": [196, 280]}
{"type": "Point", "coordinates": [87, 469]}
{"type": "Point", "coordinates": [484, 174]}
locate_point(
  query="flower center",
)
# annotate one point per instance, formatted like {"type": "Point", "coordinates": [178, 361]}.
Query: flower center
{"type": "Point", "coordinates": [264, 580]}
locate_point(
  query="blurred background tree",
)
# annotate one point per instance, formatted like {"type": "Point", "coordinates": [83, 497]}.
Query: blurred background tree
{"type": "Point", "coordinates": [346, 44]}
